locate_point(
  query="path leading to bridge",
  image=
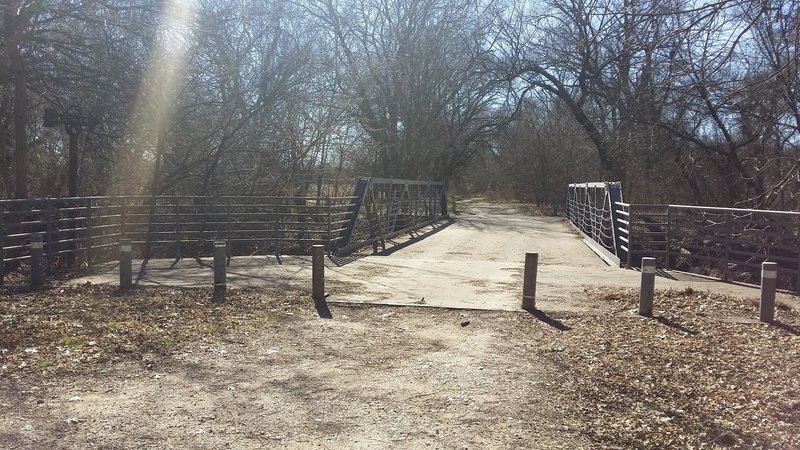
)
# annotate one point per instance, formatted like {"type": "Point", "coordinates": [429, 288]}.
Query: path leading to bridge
{"type": "Point", "coordinates": [473, 261]}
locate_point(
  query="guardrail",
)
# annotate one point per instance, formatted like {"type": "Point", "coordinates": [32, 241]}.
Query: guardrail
{"type": "Point", "coordinates": [590, 207]}
{"type": "Point", "coordinates": [724, 242]}
{"type": "Point", "coordinates": [728, 243]}
{"type": "Point", "coordinates": [390, 208]}
{"type": "Point", "coordinates": [87, 230]}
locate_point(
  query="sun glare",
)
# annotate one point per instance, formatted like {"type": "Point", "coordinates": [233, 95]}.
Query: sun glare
{"type": "Point", "coordinates": [152, 114]}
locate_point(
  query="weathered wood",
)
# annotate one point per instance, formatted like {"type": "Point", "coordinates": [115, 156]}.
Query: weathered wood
{"type": "Point", "coordinates": [529, 281]}
{"type": "Point", "coordinates": [647, 287]}
{"type": "Point", "coordinates": [318, 272]}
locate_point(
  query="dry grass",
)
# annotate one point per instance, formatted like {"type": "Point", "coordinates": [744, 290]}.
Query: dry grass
{"type": "Point", "coordinates": [693, 376]}
{"type": "Point", "coordinates": [76, 328]}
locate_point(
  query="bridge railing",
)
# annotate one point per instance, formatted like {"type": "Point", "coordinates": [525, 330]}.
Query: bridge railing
{"type": "Point", "coordinates": [728, 243]}
{"type": "Point", "coordinates": [389, 208]}
{"type": "Point", "coordinates": [590, 207]}
{"type": "Point", "coordinates": [87, 230]}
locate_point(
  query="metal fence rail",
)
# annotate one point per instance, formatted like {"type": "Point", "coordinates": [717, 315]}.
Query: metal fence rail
{"type": "Point", "coordinates": [393, 207]}
{"type": "Point", "coordinates": [728, 243]}
{"type": "Point", "coordinates": [590, 208]}
{"type": "Point", "coordinates": [87, 230]}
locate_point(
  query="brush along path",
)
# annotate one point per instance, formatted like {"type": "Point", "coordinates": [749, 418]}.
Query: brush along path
{"type": "Point", "coordinates": [161, 367]}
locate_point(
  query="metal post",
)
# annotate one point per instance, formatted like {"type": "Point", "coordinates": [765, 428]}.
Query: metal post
{"type": "Point", "coordinates": [220, 281]}
{"type": "Point", "coordinates": [648, 283]}
{"type": "Point", "coordinates": [769, 279]}
{"type": "Point", "coordinates": [125, 264]}
{"type": "Point", "coordinates": [89, 236]}
{"type": "Point", "coordinates": [630, 237]}
{"type": "Point", "coordinates": [3, 248]}
{"type": "Point", "coordinates": [318, 272]}
{"type": "Point", "coordinates": [529, 283]}
{"type": "Point", "coordinates": [37, 260]}
{"type": "Point", "coordinates": [178, 229]}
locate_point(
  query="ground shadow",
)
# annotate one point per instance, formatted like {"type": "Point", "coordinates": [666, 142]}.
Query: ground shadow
{"type": "Point", "coordinates": [142, 271]}
{"type": "Point", "coordinates": [543, 317]}
{"type": "Point", "coordinates": [663, 273]}
{"type": "Point", "coordinates": [415, 237]}
{"type": "Point", "coordinates": [323, 310]}
{"type": "Point", "coordinates": [665, 321]}
{"type": "Point", "coordinates": [436, 227]}
{"type": "Point", "coordinates": [789, 328]}
{"type": "Point", "coordinates": [344, 260]}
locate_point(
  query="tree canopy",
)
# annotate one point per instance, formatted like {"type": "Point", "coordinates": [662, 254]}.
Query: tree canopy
{"type": "Point", "coordinates": [682, 101]}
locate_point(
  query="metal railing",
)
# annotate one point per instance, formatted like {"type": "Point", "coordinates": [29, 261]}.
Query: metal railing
{"type": "Point", "coordinates": [724, 242]}
{"type": "Point", "coordinates": [87, 230]}
{"type": "Point", "coordinates": [590, 208]}
{"type": "Point", "coordinates": [728, 243]}
{"type": "Point", "coordinates": [392, 207]}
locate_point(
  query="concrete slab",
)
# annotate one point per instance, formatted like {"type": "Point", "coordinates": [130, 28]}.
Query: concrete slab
{"type": "Point", "coordinates": [475, 261]}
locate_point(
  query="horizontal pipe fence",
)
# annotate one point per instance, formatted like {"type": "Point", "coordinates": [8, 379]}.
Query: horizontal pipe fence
{"type": "Point", "coordinates": [728, 243]}
{"type": "Point", "coordinates": [87, 230]}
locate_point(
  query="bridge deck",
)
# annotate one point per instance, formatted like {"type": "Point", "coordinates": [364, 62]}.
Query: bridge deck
{"type": "Point", "coordinates": [474, 261]}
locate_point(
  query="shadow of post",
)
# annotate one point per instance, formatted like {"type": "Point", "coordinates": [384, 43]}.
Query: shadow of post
{"type": "Point", "coordinates": [322, 308]}
{"type": "Point", "coordinates": [789, 328]}
{"type": "Point", "coordinates": [665, 321]}
{"type": "Point", "coordinates": [543, 317]}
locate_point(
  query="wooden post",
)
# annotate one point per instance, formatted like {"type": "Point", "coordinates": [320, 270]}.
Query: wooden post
{"type": "Point", "coordinates": [37, 260]}
{"type": "Point", "coordinates": [318, 272]}
{"type": "Point", "coordinates": [454, 204]}
{"type": "Point", "coordinates": [125, 264]}
{"type": "Point", "coordinates": [529, 281]}
{"type": "Point", "coordinates": [220, 279]}
{"type": "Point", "coordinates": [648, 284]}
{"type": "Point", "coordinates": [769, 279]}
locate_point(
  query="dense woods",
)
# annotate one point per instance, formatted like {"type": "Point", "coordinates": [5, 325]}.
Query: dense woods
{"type": "Point", "coordinates": [690, 102]}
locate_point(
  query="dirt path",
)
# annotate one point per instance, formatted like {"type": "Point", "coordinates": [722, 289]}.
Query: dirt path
{"type": "Point", "coordinates": [370, 378]}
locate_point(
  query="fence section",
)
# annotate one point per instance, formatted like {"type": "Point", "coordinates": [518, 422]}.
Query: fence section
{"type": "Point", "coordinates": [727, 243]}
{"type": "Point", "coordinates": [87, 230]}
{"type": "Point", "coordinates": [590, 207]}
{"type": "Point", "coordinates": [393, 207]}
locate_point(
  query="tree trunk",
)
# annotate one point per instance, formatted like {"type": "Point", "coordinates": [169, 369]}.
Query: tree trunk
{"type": "Point", "coordinates": [20, 123]}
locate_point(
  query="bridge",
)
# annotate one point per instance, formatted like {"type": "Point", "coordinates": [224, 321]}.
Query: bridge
{"type": "Point", "coordinates": [394, 242]}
